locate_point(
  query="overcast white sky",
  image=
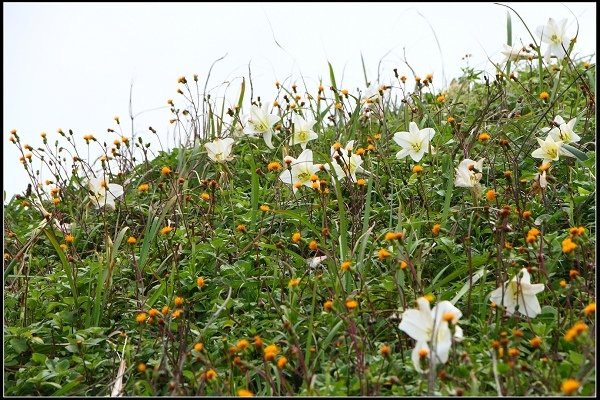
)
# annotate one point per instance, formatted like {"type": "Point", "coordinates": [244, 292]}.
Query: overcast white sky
{"type": "Point", "coordinates": [70, 66]}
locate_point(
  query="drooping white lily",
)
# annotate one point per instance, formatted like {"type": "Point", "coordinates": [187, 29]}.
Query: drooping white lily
{"type": "Point", "coordinates": [431, 329]}
{"type": "Point", "coordinates": [515, 53]}
{"type": "Point", "coordinates": [415, 142]}
{"type": "Point", "coordinates": [554, 34]}
{"type": "Point", "coordinates": [563, 132]}
{"type": "Point", "coordinates": [466, 175]}
{"type": "Point", "coordinates": [104, 193]}
{"type": "Point", "coordinates": [303, 132]}
{"type": "Point", "coordinates": [314, 262]}
{"type": "Point", "coordinates": [301, 171]}
{"type": "Point", "coordinates": [347, 164]}
{"type": "Point", "coordinates": [260, 122]}
{"type": "Point", "coordinates": [549, 150]}
{"type": "Point", "coordinates": [518, 294]}
{"type": "Point", "coordinates": [219, 150]}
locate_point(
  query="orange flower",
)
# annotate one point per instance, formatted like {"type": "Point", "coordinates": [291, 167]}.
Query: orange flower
{"type": "Point", "coordinates": [281, 363]}
{"type": "Point", "coordinates": [535, 342]}
{"type": "Point", "coordinates": [274, 166]}
{"type": "Point", "coordinates": [568, 245]}
{"type": "Point", "coordinates": [241, 228]}
{"type": "Point", "coordinates": [165, 170]}
{"type": "Point", "coordinates": [211, 374]}
{"type": "Point", "coordinates": [166, 230]}
{"type": "Point", "coordinates": [569, 386]}
{"type": "Point", "coordinates": [346, 265]}
{"type": "Point", "coordinates": [270, 352]}
{"type": "Point", "coordinates": [385, 350]}
{"type": "Point", "coordinates": [294, 282]}
{"type": "Point", "coordinates": [141, 318]}
{"type": "Point", "coordinates": [351, 304]}
{"type": "Point", "coordinates": [242, 344]}
{"type": "Point", "coordinates": [590, 309]}
{"type": "Point", "coordinates": [436, 229]}
{"type": "Point", "coordinates": [383, 254]}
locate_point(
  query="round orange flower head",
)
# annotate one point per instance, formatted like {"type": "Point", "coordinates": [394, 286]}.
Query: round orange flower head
{"type": "Point", "coordinates": [569, 386]}
{"type": "Point", "coordinates": [282, 362]}
{"type": "Point", "coordinates": [590, 309]}
{"type": "Point", "coordinates": [385, 350]}
{"type": "Point", "coordinates": [346, 265]}
{"type": "Point", "coordinates": [535, 342]}
{"type": "Point", "coordinates": [141, 318]}
{"type": "Point", "coordinates": [245, 393]}
{"type": "Point", "coordinates": [270, 352]}
{"type": "Point", "coordinates": [351, 304]}
{"type": "Point", "coordinates": [242, 344]}
{"type": "Point", "coordinates": [382, 254]}
{"type": "Point", "coordinates": [211, 374]}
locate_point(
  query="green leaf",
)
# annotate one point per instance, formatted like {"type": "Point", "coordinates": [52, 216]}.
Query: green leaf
{"type": "Point", "coordinates": [19, 345]}
{"type": "Point", "coordinates": [580, 155]}
{"type": "Point", "coordinates": [576, 358]}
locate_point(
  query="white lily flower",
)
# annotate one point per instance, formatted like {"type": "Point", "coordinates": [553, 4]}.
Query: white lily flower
{"type": "Point", "coordinates": [303, 132]}
{"type": "Point", "coordinates": [431, 329]}
{"type": "Point", "coordinates": [236, 129]}
{"type": "Point", "coordinates": [219, 150]}
{"type": "Point", "coordinates": [104, 193]}
{"type": "Point", "coordinates": [563, 132]}
{"type": "Point", "coordinates": [347, 164]}
{"type": "Point", "coordinates": [519, 292]}
{"type": "Point", "coordinates": [549, 150]}
{"type": "Point", "coordinates": [553, 33]}
{"type": "Point", "coordinates": [415, 142]}
{"type": "Point", "coordinates": [301, 170]}
{"type": "Point", "coordinates": [260, 122]}
{"type": "Point", "coordinates": [515, 53]}
{"type": "Point", "coordinates": [466, 175]}
{"type": "Point", "coordinates": [314, 262]}
{"type": "Point", "coordinates": [541, 179]}
{"type": "Point", "coordinates": [372, 94]}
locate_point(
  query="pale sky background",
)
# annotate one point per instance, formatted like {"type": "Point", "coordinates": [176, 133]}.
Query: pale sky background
{"type": "Point", "coordinates": [70, 66]}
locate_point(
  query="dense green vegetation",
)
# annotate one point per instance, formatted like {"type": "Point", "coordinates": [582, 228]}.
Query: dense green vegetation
{"type": "Point", "coordinates": [233, 270]}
